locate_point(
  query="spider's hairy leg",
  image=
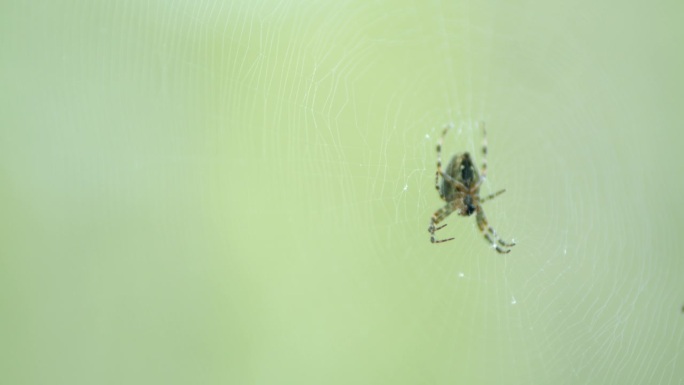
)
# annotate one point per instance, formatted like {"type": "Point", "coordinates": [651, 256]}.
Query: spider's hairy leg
{"type": "Point", "coordinates": [492, 196]}
{"type": "Point", "coordinates": [439, 190]}
{"type": "Point", "coordinates": [438, 217]}
{"type": "Point", "coordinates": [483, 174]}
{"type": "Point", "coordinates": [490, 234]}
{"type": "Point", "coordinates": [439, 159]}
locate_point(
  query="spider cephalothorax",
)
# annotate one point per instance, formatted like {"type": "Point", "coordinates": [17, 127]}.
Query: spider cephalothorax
{"type": "Point", "coordinates": [460, 189]}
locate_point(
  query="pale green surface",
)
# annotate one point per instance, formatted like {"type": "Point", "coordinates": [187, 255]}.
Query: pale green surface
{"type": "Point", "coordinates": [197, 192]}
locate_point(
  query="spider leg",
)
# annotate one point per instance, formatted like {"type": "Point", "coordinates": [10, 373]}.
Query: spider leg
{"type": "Point", "coordinates": [490, 234]}
{"type": "Point", "coordinates": [437, 217]}
{"type": "Point", "coordinates": [483, 174]}
{"type": "Point", "coordinates": [492, 196]}
{"type": "Point", "coordinates": [439, 191]}
{"type": "Point", "coordinates": [439, 161]}
{"type": "Point", "coordinates": [456, 184]}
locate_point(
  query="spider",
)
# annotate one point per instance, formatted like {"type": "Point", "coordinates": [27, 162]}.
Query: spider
{"type": "Point", "coordinates": [460, 189]}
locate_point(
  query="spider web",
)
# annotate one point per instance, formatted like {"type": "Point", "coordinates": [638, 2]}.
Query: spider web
{"type": "Point", "coordinates": [261, 177]}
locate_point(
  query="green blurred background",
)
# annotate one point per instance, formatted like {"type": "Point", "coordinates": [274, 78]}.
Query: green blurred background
{"type": "Point", "coordinates": [238, 192]}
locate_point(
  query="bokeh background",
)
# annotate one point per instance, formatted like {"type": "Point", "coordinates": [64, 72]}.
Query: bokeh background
{"type": "Point", "coordinates": [238, 192]}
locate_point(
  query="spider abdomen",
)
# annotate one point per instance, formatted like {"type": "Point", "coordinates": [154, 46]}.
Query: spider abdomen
{"type": "Point", "coordinates": [462, 170]}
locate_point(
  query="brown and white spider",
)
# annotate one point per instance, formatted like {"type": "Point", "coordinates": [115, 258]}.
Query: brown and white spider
{"type": "Point", "coordinates": [460, 189]}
